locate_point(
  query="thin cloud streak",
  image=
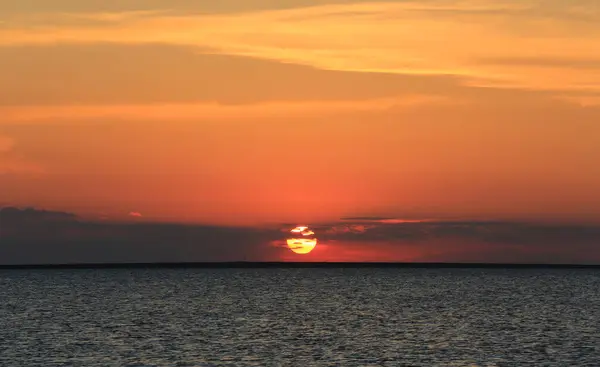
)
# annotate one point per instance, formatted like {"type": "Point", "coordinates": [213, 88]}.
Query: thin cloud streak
{"type": "Point", "coordinates": [385, 220]}
{"type": "Point", "coordinates": [195, 111]}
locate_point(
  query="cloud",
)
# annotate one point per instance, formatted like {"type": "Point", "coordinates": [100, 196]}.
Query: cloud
{"type": "Point", "coordinates": [10, 216]}
{"type": "Point", "coordinates": [484, 231]}
{"type": "Point", "coordinates": [482, 241]}
{"type": "Point", "coordinates": [143, 74]}
{"type": "Point", "coordinates": [358, 228]}
{"type": "Point", "coordinates": [203, 111]}
{"type": "Point", "coordinates": [40, 236]}
{"type": "Point", "coordinates": [556, 62]}
{"type": "Point", "coordinates": [376, 37]}
{"type": "Point", "coordinates": [135, 214]}
{"type": "Point", "coordinates": [143, 6]}
{"type": "Point", "coordinates": [384, 220]}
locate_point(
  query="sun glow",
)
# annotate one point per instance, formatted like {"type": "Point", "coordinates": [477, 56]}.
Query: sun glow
{"type": "Point", "coordinates": [302, 245]}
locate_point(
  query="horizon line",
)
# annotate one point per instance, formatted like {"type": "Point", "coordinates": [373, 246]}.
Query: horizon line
{"type": "Point", "coordinates": [298, 264]}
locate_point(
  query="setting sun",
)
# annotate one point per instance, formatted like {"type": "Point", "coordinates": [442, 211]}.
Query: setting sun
{"type": "Point", "coordinates": [304, 244]}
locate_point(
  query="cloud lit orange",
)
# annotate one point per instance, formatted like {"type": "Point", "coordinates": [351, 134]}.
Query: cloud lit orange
{"type": "Point", "coordinates": [502, 44]}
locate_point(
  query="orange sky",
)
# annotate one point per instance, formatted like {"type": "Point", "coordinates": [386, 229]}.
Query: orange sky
{"type": "Point", "coordinates": [253, 111]}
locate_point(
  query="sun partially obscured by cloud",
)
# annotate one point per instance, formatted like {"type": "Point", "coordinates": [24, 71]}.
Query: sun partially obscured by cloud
{"type": "Point", "coordinates": [524, 44]}
{"type": "Point", "coordinates": [32, 235]}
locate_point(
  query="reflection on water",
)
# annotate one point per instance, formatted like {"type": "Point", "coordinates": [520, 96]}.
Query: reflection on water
{"type": "Point", "coordinates": [299, 317]}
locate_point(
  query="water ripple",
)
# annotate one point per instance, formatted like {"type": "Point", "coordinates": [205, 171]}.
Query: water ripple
{"type": "Point", "coordinates": [299, 317]}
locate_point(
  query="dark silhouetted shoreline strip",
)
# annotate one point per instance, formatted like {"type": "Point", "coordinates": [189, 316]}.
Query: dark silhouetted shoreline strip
{"type": "Point", "coordinates": [243, 264]}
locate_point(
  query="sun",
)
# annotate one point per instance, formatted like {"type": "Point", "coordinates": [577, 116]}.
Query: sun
{"type": "Point", "coordinates": [303, 240]}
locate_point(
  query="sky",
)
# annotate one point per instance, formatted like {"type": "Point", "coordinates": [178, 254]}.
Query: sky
{"type": "Point", "coordinates": [259, 115]}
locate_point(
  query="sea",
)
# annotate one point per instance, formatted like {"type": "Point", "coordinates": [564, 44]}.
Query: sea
{"type": "Point", "coordinates": [299, 317]}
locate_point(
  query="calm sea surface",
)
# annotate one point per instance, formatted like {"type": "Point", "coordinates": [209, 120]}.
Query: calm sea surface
{"type": "Point", "coordinates": [299, 317]}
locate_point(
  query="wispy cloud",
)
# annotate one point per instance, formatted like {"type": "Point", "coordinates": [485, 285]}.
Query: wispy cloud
{"type": "Point", "coordinates": [437, 37]}
{"type": "Point", "coordinates": [195, 111]}
{"type": "Point", "coordinates": [556, 62]}
{"type": "Point", "coordinates": [385, 220]}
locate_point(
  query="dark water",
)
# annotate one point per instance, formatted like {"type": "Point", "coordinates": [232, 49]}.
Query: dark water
{"type": "Point", "coordinates": [299, 317]}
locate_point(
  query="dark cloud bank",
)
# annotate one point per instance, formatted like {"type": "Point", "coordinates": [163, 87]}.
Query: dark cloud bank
{"type": "Point", "coordinates": [32, 236]}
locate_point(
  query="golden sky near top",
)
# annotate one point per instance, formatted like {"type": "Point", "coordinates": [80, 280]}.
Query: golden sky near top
{"type": "Point", "coordinates": [526, 44]}
{"type": "Point", "coordinates": [249, 111]}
